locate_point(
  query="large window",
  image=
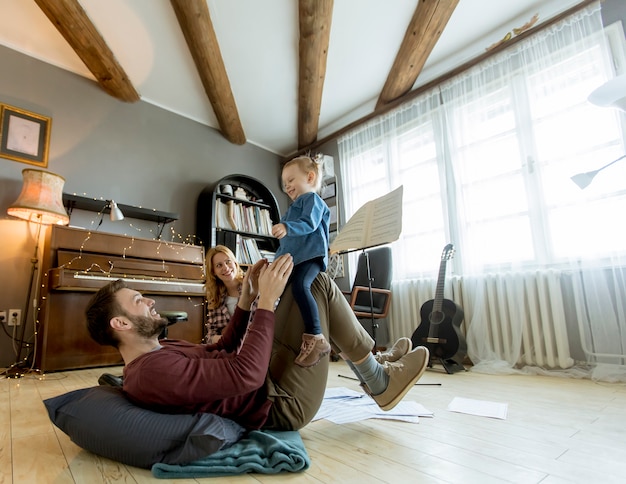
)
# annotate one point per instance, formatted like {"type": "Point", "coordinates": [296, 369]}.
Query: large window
{"type": "Point", "coordinates": [486, 159]}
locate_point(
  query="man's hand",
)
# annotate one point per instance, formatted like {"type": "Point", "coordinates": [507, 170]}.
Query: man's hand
{"type": "Point", "coordinates": [250, 285]}
{"type": "Point", "coordinates": [279, 230]}
{"type": "Point", "coordinates": [273, 279]}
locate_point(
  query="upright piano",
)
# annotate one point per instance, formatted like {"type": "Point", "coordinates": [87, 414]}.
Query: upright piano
{"type": "Point", "coordinates": [77, 262]}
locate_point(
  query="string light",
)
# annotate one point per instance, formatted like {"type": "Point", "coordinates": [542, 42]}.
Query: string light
{"type": "Point", "coordinates": [175, 245]}
{"type": "Point", "coordinates": [185, 241]}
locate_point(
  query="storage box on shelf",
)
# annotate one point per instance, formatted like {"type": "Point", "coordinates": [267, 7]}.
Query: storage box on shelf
{"type": "Point", "coordinates": [238, 211]}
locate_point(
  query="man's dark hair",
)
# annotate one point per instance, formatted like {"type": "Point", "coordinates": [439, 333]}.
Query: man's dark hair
{"type": "Point", "coordinates": [103, 307]}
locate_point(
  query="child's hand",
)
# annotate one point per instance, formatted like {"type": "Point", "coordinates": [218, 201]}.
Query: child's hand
{"type": "Point", "coordinates": [279, 231]}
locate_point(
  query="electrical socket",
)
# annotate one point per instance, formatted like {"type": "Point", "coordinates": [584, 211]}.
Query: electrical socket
{"type": "Point", "coordinates": [3, 316]}
{"type": "Point", "coordinates": [15, 317]}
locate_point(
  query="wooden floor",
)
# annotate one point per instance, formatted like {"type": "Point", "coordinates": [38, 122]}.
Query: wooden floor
{"type": "Point", "coordinates": [557, 431]}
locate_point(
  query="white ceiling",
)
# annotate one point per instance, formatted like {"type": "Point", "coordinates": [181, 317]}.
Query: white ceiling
{"type": "Point", "coordinates": [259, 44]}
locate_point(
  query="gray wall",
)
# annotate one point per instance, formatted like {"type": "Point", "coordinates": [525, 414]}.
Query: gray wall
{"type": "Point", "coordinates": [136, 154]}
{"type": "Point", "coordinates": [613, 11]}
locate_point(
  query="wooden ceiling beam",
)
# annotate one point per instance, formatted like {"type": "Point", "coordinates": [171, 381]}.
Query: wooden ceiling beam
{"type": "Point", "coordinates": [195, 22]}
{"type": "Point", "coordinates": [315, 17]}
{"type": "Point", "coordinates": [72, 22]}
{"type": "Point", "coordinates": [429, 20]}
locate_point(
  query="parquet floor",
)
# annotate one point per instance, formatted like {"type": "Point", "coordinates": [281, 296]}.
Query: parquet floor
{"type": "Point", "coordinates": [557, 431]}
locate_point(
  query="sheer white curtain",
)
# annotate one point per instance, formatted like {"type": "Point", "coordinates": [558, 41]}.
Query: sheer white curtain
{"type": "Point", "coordinates": [486, 161]}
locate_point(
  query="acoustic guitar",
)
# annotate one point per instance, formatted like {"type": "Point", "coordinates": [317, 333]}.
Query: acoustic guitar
{"type": "Point", "coordinates": [440, 327]}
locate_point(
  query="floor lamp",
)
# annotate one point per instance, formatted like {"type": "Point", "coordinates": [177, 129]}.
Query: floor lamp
{"type": "Point", "coordinates": [41, 201]}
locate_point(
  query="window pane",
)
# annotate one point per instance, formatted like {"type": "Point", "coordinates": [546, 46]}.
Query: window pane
{"type": "Point", "coordinates": [499, 156]}
{"type": "Point", "coordinates": [593, 229]}
{"type": "Point", "coordinates": [484, 118]}
{"type": "Point", "coordinates": [500, 241]}
{"type": "Point", "coordinates": [495, 198]}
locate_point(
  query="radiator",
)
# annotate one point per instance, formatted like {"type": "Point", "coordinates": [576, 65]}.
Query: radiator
{"type": "Point", "coordinates": [516, 317]}
{"type": "Point", "coordinates": [525, 318]}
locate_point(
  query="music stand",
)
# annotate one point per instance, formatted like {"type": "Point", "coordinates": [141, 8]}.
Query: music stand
{"type": "Point", "coordinates": [369, 286]}
{"type": "Point", "coordinates": [377, 222]}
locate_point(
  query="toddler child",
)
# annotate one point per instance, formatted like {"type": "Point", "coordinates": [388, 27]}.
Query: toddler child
{"type": "Point", "coordinates": [303, 233]}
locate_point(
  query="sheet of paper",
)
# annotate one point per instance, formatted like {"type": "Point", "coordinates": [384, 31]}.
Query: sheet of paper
{"type": "Point", "coordinates": [377, 222]}
{"type": "Point", "coordinates": [482, 408]}
{"type": "Point", "coordinates": [352, 234]}
{"type": "Point", "coordinates": [386, 224]}
{"type": "Point", "coordinates": [342, 405]}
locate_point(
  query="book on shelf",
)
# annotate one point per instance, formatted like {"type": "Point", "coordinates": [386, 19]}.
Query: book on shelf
{"type": "Point", "coordinates": [244, 218]}
{"type": "Point", "coordinates": [224, 216]}
{"type": "Point", "coordinates": [267, 254]}
{"type": "Point", "coordinates": [247, 251]}
{"type": "Point", "coordinates": [377, 222]}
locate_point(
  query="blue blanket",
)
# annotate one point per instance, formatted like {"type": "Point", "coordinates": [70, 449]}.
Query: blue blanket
{"type": "Point", "coordinates": [261, 451]}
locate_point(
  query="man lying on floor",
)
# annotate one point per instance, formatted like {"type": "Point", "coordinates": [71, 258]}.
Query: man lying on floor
{"type": "Point", "coordinates": [249, 375]}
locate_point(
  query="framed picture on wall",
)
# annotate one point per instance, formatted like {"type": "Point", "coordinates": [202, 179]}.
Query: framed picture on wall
{"type": "Point", "coordinates": [24, 136]}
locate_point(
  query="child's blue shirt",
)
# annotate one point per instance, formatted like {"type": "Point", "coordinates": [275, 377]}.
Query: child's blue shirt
{"type": "Point", "coordinates": [307, 220]}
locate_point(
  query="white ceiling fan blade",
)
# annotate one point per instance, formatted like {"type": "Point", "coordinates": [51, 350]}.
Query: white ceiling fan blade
{"type": "Point", "coordinates": [612, 93]}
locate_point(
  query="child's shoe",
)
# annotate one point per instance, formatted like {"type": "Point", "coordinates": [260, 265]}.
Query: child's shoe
{"type": "Point", "coordinates": [314, 348]}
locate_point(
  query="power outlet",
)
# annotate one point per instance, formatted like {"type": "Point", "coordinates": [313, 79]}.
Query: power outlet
{"type": "Point", "coordinates": [15, 317]}
{"type": "Point", "coordinates": [3, 316]}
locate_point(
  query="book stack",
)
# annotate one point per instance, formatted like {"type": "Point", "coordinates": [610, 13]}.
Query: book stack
{"type": "Point", "coordinates": [247, 251]}
{"type": "Point", "coordinates": [243, 218]}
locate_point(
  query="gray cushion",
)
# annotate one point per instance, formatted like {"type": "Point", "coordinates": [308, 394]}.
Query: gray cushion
{"type": "Point", "coordinates": [102, 420]}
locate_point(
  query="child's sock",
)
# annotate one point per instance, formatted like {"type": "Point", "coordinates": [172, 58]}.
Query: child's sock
{"type": "Point", "coordinates": [373, 374]}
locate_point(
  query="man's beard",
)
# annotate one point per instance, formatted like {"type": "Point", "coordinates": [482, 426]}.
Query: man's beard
{"type": "Point", "coordinates": [147, 326]}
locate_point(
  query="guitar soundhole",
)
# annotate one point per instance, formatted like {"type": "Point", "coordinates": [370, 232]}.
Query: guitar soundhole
{"type": "Point", "coordinates": [437, 317]}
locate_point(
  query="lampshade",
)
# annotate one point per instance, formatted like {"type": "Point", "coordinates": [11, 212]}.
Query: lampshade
{"type": "Point", "coordinates": [584, 179]}
{"type": "Point", "coordinates": [612, 93]}
{"type": "Point", "coordinates": [41, 199]}
{"type": "Point", "coordinates": [116, 213]}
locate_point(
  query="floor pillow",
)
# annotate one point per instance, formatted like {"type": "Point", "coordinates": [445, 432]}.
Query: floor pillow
{"type": "Point", "coordinates": [103, 421]}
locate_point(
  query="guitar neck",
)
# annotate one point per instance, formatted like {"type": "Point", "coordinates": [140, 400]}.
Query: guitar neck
{"type": "Point", "coordinates": [438, 302]}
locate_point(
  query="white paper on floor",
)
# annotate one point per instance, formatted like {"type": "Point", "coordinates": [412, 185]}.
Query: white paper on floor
{"type": "Point", "coordinates": [342, 405]}
{"type": "Point", "coordinates": [482, 408]}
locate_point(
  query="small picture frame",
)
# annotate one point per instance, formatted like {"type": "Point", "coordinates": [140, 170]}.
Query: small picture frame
{"type": "Point", "coordinates": [24, 136]}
